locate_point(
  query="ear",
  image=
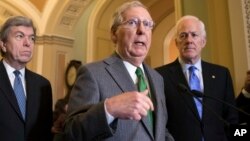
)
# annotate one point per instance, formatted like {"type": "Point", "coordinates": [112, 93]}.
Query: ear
{"type": "Point", "coordinates": [3, 46]}
{"type": "Point", "coordinates": [114, 37]}
{"type": "Point", "coordinates": [176, 43]}
{"type": "Point", "coordinates": [203, 42]}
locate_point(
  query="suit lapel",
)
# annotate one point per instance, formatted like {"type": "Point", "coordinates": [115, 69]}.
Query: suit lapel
{"type": "Point", "coordinates": [119, 73]}
{"type": "Point", "coordinates": [7, 90]}
{"type": "Point", "coordinates": [208, 82]}
{"type": "Point", "coordinates": [155, 100]}
{"type": "Point", "coordinates": [207, 79]}
{"type": "Point", "coordinates": [121, 77]}
{"type": "Point", "coordinates": [31, 97]}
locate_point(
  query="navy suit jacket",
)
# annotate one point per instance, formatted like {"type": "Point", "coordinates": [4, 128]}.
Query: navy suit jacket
{"type": "Point", "coordinates": [98, 81]}
{"type": "Point", "coordinates": [37, 126]}
{"type": "Point", "coordinates": [184, 123]}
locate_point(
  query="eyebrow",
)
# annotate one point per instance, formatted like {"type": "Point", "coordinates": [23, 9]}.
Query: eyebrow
{"type": "Point", "coordinates": [16, 32]}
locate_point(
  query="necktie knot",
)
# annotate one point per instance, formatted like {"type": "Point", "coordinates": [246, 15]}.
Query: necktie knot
{"type": "Point", "coordinates": [139, 72]}
{"type": "Point", "coordinates": [141, 81]}
{"type": "Point", "coordinates": [194, 81]}
{"type": "Point", "coordinates": [16, 72]}
{"type": "Point", "coordinates": [192, 69]}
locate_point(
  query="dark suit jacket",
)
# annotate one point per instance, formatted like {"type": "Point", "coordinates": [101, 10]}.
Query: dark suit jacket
{"type": "Point", "coordinates": [38, 109]}
{"type": "Point", "coordinates": [244, 104]}
{"type": "Point", "coordinates": [184, 123]}
{"type": "Point", "coordinates": [101, 80]}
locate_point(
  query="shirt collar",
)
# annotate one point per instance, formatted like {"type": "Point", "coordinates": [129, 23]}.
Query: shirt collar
{"type": "Point", "coordinates": [186, 66]}
{"type": "Point", "coordinates": [10, 69]}
{"type": "Point", "coordinates": [131, 70]}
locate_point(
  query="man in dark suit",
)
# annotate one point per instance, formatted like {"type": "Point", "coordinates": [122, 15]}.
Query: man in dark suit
{"type": "Point", "coordinates": [189, 120]}
{"type": "Point", "coordinates": [243, 101]}
{"type": "Point", "coordinates": [30, 120]}
{"type": "Point", "coordinates": [105, 103]}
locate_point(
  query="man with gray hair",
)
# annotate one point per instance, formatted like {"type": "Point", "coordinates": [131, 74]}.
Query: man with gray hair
{"type": "Point", "coordinates": [25, 97]}
{"type": "Point", "coordinates": [120, 98]}
{"type": "Point", "coordinates": [192, 118]}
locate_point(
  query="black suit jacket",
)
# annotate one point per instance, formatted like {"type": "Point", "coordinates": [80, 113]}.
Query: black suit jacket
{"type": "Point", "coordinates": [244, 104]}
{"type": "Point", "coordinates": [38, 109]}
{"type": "Point", "coordinates": [184, 123]}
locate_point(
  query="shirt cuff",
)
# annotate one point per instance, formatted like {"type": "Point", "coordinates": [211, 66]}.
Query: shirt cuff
{"type": "Point", "coordinates": [245, 93]}
{"type": "Point", "coordinates": [109, 117]}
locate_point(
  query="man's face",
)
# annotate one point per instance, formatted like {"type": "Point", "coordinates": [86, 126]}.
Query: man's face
{"type": "Point", "coordinates": [190, 41]}
{"type": "Point", "coordinates": [133, 36]}
{"type": "Point", "coordinates": [19, 45]}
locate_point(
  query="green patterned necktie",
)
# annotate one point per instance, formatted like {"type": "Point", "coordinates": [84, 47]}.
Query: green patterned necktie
{"type": "Point", "coordinates": [142, 86]}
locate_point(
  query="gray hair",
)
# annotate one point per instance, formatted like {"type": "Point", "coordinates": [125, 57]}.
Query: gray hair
{"type": "Point", "coordinates": [190, 17]}
{"type": "Point", "coordinates": [11, 22]}
{"type": "Point", "coordinates": [117, 16]}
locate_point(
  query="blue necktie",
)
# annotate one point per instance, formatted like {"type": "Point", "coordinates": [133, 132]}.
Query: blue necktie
{"type": "Point", "coordinates": [19, 92]}
{"type": "Point", "coordinates": [194, 84]}
{"type": "Point", "coordinates": [142, 85]}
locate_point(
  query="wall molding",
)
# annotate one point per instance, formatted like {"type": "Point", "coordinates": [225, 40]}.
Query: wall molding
{"type": "Point", "coordinates": [55, 40]}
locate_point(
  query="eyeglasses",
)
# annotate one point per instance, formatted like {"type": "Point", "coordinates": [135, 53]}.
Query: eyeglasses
{"type": "Point", "coordinates": [184, 35]}
{"type": "Point", "coordinates": [135, 23]}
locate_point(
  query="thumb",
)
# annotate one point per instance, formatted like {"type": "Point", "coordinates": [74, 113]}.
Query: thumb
{"type": "Point", "coordinates": [145, 92]}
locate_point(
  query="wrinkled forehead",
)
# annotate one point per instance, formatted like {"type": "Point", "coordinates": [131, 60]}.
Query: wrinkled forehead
{"type": "Point", "coordinates": [23, 29]}
{"type": "Point", "coordinates": [189, 25]}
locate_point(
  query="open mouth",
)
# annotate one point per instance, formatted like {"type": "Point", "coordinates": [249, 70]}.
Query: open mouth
{"type": "Point", "coordinates": [139, 43]}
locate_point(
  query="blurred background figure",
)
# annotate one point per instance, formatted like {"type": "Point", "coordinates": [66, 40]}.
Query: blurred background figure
{"type": "Point", "coordinates": [59, 116]}
{"type": "Point", "coordinates": [243, 100]}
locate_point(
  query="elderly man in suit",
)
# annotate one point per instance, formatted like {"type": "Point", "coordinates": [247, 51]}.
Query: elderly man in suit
{"type": "Point", "coordinates": [105, 103]}
{"type": "Point", "coordinates": [189, 117]}
{"type": "Point", "coordinates": [25, 97]}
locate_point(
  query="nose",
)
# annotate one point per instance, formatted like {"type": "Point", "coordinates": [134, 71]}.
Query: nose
{"type": "Point", "coordinates": [189, 38]}
{"type": "Point", "coordinates": [140, 29]}
{"type": "Point", "coordinates": [27, 41]}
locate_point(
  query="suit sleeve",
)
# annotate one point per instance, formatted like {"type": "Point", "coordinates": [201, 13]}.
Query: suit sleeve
{"type": "Point", "coordinates": [230, 114]}
{"type": "Point", "coordinates": [244, 104]}
{"type": "Point", "coordinates": [86, 111]}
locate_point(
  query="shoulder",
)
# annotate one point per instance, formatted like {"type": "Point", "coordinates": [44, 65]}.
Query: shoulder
{"type": "Point", "coordinates": [35, 77]}
{"type": "Point", "coordinates": [214, 67]}
{"type": "Point", "coordinates": [112, 61]}
{"type": "Point", "coordinates": [152, 72]}
{"type": "Point", "coordinates": [166, 66]}
{"type": "Point", "coordinates": [169, 68]}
